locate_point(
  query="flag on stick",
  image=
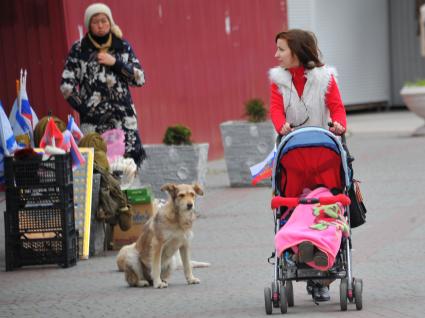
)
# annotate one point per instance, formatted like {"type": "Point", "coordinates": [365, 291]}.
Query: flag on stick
{"type": "Point", "coordinates": [52, 135]}
{"type": "Point", "coordinates": [263, 169]}
{"type": "Point", "coordinates": [22, 117]}
{"type": "Point", "coordinates": [73, 128]}
{"type": "Point", "coordinates": [69, 145]}
{"type": "Point", "coordinates": [7, 141]}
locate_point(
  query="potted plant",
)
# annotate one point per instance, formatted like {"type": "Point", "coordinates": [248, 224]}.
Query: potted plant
{"type": "Point", "coordinates": [413, 94]}
{"type": "Point", "coordinates": [177, 160]}
{"type": "Point", "coordinates": [247, 142]}
{"type": "Point", "coordinates": [177, 135]}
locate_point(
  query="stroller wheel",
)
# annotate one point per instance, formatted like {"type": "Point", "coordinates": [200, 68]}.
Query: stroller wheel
{"type": "Point", "coordinates": [343, 294]}
{"type": "Point", "coordinates": [289, 293]}
{"type": "Point", "coordinates": [268, 300]}
{"type": "Point", "coordinates": [275, 295]}
{"type": "Point", "coordinates": [283, 300]}
{"type": "Point", "coordinates": [358, 290]}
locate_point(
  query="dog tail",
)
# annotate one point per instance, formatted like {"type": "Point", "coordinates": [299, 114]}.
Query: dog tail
{"type": "Point", "coordinates": [177, 262]}
{"type": "Point", "coordinates": [196, 264]}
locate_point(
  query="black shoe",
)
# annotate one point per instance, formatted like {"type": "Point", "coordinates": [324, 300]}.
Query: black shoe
{"type": "Point", "coordinates": [320, 258]}
{"type": "Point", "coordinates": [305, 252]}
{"type": "Point", "coordinates": [321, 293]}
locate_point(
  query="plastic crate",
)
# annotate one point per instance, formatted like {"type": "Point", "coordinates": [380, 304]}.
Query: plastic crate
{"type": "Point", "coordinates": [30, 213]}
{"type": "Point", "coordinates": [33, 171]}
{"type": "Point", "coordinates": [39, 248]}
{"type": "Point", "coordinates": [39, 217]}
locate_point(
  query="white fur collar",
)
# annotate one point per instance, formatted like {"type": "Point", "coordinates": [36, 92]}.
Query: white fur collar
{"type": "Point", "coordinates": [279, 76]}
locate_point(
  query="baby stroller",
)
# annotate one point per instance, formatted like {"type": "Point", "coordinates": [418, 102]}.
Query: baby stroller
{"type": "Point", "coordinates": [309, 158]}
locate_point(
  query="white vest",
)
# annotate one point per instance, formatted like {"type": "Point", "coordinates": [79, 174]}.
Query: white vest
{"type": "Point", "coordinates": [313, 97]}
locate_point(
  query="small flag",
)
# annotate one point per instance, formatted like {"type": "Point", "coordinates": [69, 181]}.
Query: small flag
{"type": "Point", "coordinates": [73, 128]}
{"type": "Point", "coordinates": [22, 117]}
{"type": "Point", "coordinates": [263, 169]}
{"type": "Point", "coordinates": [7, 141]}
{"type": "Point", "coordinates": [69, 145]}
{"type": "Point", "coordinates": [52, 135]}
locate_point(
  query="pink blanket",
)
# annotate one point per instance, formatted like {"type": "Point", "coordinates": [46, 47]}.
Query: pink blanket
{"type": "Point", "coordinates": [298, 229]}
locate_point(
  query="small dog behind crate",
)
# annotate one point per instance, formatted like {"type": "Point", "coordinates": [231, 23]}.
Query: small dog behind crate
{"type": "Point", "coordinates": [151, 260]}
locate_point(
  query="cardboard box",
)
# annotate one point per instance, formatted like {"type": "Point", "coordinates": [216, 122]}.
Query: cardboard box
{"type": "Point", "coordinates": [141, 213]}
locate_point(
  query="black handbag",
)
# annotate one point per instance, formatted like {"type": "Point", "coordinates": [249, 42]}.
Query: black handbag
{"type": "Point", "coordinates": [357, 207]}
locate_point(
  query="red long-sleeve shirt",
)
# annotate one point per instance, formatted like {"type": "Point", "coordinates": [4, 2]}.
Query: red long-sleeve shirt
{"type": "Point", "coordinates": [332, 100]}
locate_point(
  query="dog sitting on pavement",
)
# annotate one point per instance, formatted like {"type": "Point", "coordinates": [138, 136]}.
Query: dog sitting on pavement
{"type": "Point", "coordinates": [151, 259]}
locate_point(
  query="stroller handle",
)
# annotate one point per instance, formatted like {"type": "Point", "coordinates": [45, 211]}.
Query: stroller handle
{"type": "Point", "coordinates": [330, 125]}
{"type": "Point", "coordinates": [291, 202]}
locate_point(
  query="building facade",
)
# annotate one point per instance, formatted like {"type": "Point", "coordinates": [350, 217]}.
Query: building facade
{"type": "Point", "coordinates": [202, 59]}
{"type": "Point", "coordinates": [374, 45]}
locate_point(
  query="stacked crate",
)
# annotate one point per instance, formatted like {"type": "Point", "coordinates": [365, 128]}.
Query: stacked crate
{"type": "Point", "coordinates": [39, 217]}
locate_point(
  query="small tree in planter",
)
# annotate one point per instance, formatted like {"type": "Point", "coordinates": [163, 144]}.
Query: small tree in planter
{"type": "Point", "coordinates": [413, 94]}
{"type": "Point", "coordinates": [247, 142]}
{"type": "Point", "coordinates": [177, 135]}
{"type": "Point", "coordinates": [175, 161]}
{"type": "Point", "coordinates": [255, 110]}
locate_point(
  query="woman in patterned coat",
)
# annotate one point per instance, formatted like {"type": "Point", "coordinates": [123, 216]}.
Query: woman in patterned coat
{"type": "Point", "coordinates": [96, 79]}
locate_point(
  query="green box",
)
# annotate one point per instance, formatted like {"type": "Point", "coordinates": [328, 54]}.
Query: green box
{"type": "Point", "coordinates": [139, 196]}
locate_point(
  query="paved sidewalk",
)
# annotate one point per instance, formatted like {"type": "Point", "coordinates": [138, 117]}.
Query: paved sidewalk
{"type": "Point", "coordinates": [397, 121]}
{"type": "Point", "coordinates": [235, 234]}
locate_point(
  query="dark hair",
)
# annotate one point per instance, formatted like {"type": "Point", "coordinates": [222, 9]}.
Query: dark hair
{"type": "Point", "coordinates": [303, 44]}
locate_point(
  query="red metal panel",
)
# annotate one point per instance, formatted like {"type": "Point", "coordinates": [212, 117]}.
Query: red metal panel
{"type": "Point", "coordinates": [32, 37]}
{"type": "Point", "coordinates": [198, 72]}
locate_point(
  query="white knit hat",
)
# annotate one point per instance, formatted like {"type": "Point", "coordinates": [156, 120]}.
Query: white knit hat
{"type": "Point", "coordinates": [97, 8]}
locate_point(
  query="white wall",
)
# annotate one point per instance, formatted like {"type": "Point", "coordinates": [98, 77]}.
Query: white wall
{"type": "Point", "coordinates": [407, 64]}
{"type": "Point", "coordinates": [354, 37]}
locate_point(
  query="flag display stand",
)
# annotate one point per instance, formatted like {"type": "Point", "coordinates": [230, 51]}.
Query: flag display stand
{"type": "Point", "coordinates": [39, 218]}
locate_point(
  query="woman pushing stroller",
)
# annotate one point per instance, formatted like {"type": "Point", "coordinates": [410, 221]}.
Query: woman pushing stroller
{"type": "Point", "coordinates": [304, 92]}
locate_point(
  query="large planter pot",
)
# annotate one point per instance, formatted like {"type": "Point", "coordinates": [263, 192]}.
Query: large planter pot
{"type": "Point", "coordinates": [246, 144]}
{"type": "Point", "coordinates": [414, 98]}
{"type": "Point", "coordinates": [174, 164]}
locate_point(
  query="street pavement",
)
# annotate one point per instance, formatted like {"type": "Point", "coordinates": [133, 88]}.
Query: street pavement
{"type": "Point", "coordinates": [235, 234]}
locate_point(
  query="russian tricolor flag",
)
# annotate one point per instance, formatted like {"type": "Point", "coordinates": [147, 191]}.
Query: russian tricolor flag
{"type": "Point", "coordinates": [263, 169]}
{"type": "Point", "coordinates": [73, 128]}
{"type": "Point", "coordinates": [22, 117]}
{"type": "Point", "coordinates": [69, 145]}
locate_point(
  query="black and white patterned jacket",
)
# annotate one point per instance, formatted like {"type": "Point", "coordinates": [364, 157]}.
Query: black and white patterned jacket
{"type": "Point", "coordinates": [100, 93]}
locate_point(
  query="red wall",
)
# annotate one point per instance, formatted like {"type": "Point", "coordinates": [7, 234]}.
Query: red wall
{"type": "Point", "coordinates": [32, 36]}
{"type": "Point", "coordinates": [197, 73]}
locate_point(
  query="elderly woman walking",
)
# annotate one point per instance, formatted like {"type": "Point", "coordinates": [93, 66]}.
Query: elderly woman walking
{"type": "Point", "coordinates": [96, 78]}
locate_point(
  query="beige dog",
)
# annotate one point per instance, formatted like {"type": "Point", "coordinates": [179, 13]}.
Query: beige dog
{"type": "Point", "coordinates": [151, 260]}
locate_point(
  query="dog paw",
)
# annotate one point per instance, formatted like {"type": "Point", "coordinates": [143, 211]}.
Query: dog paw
{"type": "Point", "coordinates": [161, 284]}
{"type": "Point", "coordinates": [143, 283]}
{"type": "Point", "coordinates": [193, 280]}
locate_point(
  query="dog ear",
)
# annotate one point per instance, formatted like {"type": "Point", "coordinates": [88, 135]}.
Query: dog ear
{"type": "Point", "coordinates": [198, 190]}
{"type": "Point", "coordinates": [170, 188]}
